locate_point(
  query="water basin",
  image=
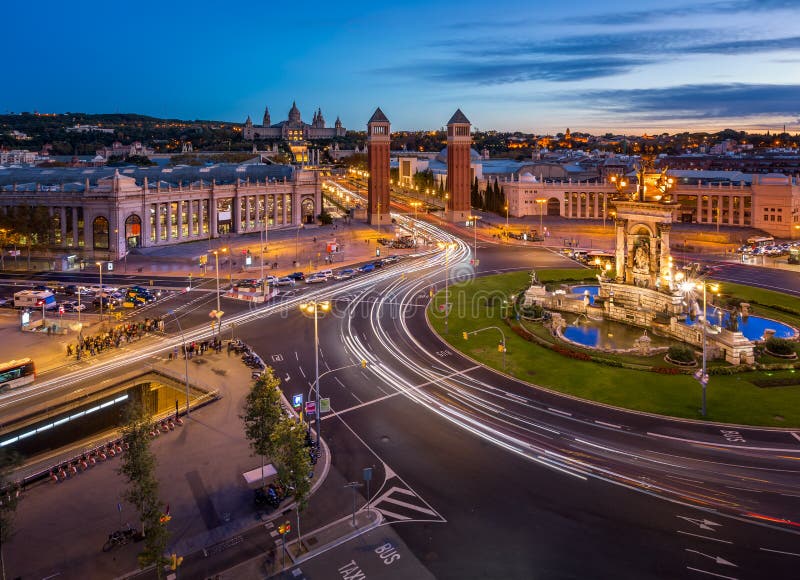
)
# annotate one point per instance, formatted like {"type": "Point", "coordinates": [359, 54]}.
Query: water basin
{"type": "Point", "coordinates": [609, 334]}
{"type": "Point", "coordinates": [752, 327]}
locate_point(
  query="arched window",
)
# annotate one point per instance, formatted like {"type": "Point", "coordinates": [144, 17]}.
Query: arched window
{"type": "Point", "coordinates": [100, 233]}
{"type": "Point", "coordinates": [133, 231]}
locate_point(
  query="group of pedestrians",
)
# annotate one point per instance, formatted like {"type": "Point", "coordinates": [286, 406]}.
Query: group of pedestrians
{"type": "Point", "coordinates": [114, 338]}
{"type": "Point", "coordinates": [197, 348]}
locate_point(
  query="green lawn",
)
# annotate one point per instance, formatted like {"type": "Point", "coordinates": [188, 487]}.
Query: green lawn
{"type": "Point", "coordinates": [731, 398]}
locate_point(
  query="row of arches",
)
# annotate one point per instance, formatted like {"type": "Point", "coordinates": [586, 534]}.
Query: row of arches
{"type": "Point", "coordinates": [101, 229]}
{"type": "Point", "coordinates": [101, 232]}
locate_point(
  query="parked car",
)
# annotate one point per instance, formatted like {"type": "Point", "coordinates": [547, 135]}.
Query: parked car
{"type": "Point", "coordinates": [70, 289]}
{"type": "Point", "coordinates": [366, 268]}
{"type": "Point", "coordinates": [271, 280]}
{"type": "Point", "coordinates": [6, 303]}
{"type": "Point", "coordinates": [296, 276]}
{"type": "Point", "coordinates": [378, 263]}
{"type": "Point", "coordinates": [390, 259]}
{"type": "Point", "coordinates": [316, 279]}
{"type": "Point", "coordinates": [345, 274]}
{"type": "Point", "coordinates": [73, 306]}
{"type": "Point", "coordinates": [285, 281]}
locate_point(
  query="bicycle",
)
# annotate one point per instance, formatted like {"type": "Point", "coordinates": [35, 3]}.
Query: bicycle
{"type": "Point", "coordinates": [118, 538]}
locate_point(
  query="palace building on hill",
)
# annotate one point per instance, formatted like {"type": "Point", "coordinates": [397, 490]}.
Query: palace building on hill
{"type": "Point", "coordinates": [293, 128]}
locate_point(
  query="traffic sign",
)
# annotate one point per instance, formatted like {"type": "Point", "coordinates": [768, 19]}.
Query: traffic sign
{"type": "Point", "coordinates": [297, 401]}
{"type": "Point", "coordinates": [325, 405]}
{"type": "Point", "coordinates": [311, 408]}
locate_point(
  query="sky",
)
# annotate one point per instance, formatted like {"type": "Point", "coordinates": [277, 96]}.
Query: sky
{"type": "Point", "coordinates": [532, 66]}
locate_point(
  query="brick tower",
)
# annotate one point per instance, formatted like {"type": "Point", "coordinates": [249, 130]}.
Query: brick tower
{"type": "Point", "coordinates": [378, 162]}
{"type": "Point", "coordinates": [459, 144]}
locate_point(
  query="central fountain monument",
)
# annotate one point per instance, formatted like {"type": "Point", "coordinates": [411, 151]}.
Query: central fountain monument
{"type": "Point", "coordinates": [645, 290]}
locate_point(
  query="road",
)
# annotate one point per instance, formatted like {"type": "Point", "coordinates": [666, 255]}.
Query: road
{"type": "Point", "coordinates": [481, 476]}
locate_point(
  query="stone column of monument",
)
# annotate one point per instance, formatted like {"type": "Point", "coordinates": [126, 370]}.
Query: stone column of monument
{"type": "Point", "coordinates": [621, 256]}
{"type": "Point", "coordinates": [459, 144]}
{"type": "Point", "coordinates": [378, 140]}
{"type": "Point", "coordinates": [664, 230]}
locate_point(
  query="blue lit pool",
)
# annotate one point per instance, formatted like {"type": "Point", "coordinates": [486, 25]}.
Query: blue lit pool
{"type": "Point", "coordinates": [753, 327]}
{"type": "Point", "coordinates": [578, 292]}
{"type": "Point", "coordinates": [607, 334]}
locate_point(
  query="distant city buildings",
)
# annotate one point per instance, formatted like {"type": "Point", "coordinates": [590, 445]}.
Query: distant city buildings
{"type": "Point", "coordinates": [88, 129]}
{"type": "Point", "coordinates": [117, 149]}
{"type": "Point", "coordinates": [17, 157]}
{"type": "Point", "coordinates": [293, 129]}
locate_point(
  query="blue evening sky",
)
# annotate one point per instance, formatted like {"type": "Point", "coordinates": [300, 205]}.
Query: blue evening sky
{"type": "Point", "coordinates": [629, 66]}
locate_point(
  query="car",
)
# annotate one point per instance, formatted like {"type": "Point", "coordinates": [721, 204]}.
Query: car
{"type": "Point", "coordinates": [6, 303]}
{"type": "Point", "coordinates": [296, 276]}
{"type": "Point", "coordinates": [56, 286]}
{"type": "Point", "coordinates": [366, 268]}
{"type": "Point", "coordinates": [41, 288]}
{"type": "Point", "coordinates": [390, 259]}
{"type": "Point", "coordinates": [272, 280]}
{"type": "Point", "coordinates": [345, 274]}
{"type": "Point", "coordinates": [378, 263]}
{"type": "Point", "coordinates": [70, 289]}
{"type": "Point", "coordinates": [316, 279]}
{"type": "Point", "coordinates": [326, 273]}
{"type": "Point", "coordinates": [285, 281]}
{"type": "Point", "coordinates": [73, 306]}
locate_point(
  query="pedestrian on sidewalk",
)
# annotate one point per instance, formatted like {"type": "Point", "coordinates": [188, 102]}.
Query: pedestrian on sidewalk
{"type": "Point", "coordinates": [69, 350]}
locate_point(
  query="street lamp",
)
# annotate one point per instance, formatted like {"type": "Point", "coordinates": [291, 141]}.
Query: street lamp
{"type": "Point", "coordinates": [218, 312]}
{"type": "Point", "coordinates": [100, 268]}
{"type": "Point", "coordinates": [506, 208]}
{"type": "Point", "coordinates": [415, 205]}
{"type": "Point", "coordinates": [315, 307]}
{"type": "Point", "coordinates": [702, 375]}
{"type": "Point", "coordinates": [541, 203]}
{"type": "Point", "coordinates": [185, 359]}
{"type": "Point", "coordinates": [446, 246]}
{"type": "Point", "coordinates": [475, 219]}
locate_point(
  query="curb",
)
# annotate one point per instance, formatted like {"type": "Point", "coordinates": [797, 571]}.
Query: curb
{"type": "Point", "coordinates": [598, 403]}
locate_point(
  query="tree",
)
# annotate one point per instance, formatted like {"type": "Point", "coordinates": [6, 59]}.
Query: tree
{"type": "Point", "coordinates": [139, 469]}
{"type": "Point", "coordinates": [262, 413]}
{"type": "Point", "coordinates": [475, 196]}
{"type": "Point", "coordinates": [325, 218]}
{"type": "Point", "coordinates": [9, 497]}
{"type": "Point", "coordinates": [292, 460]}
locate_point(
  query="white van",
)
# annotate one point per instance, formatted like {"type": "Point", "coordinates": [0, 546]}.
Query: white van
{"type": "Point", "coordinates": [326, 273]}
{"type": "Point", "coordinates": [35, 299]}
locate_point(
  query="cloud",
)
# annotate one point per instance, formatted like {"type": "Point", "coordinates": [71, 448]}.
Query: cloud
{"type": "Point", "coordinates": [699, 101]}
{"type": "Point", "coordinates": [501, 71]}
{"type": "Point", "coordinates": [747, 46]}
{"type": "Point", "coordinates": [634, 17]}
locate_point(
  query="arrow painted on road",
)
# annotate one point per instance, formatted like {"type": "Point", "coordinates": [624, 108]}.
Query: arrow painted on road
{"type": "Point", "coordinates": [703, 524]}
{"type": "Point", "coordinates": [716, 559]}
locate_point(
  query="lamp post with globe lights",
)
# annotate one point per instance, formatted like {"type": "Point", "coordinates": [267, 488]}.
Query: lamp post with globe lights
{"type": "Point", "coordinates": [314, 307]}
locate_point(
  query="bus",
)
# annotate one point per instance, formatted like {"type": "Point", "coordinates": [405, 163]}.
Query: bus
{"type": "Point", "coordinates": [757, 242]}
{"type": "Point", "coordinates": [16, 373]}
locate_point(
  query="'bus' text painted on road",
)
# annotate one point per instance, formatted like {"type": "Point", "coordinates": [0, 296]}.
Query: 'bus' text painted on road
{"type": "Point", "coordinates": [388, 553]}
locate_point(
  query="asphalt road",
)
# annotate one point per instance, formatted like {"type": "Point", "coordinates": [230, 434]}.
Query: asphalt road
{"type": "Point", "coordinates": [482, 477]}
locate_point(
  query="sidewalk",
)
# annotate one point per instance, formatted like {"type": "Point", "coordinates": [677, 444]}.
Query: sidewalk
{"type": "Point", "coordinates": [314, 543]}
{"type": "Point", "coordinates": [293, 250]}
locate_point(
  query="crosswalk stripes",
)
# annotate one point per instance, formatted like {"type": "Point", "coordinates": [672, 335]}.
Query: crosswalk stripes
{"type": "Point", "coordinates": [399, 503]}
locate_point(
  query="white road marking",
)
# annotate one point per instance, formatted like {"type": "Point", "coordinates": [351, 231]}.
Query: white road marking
{"type": "Point", "coordinates": [296, 356]}
{"type": "Point", "coordinates": [710, 573]}
{"type": "Point", "coordinates": [717, 559]}
{"type": "Point", "coordinates": [410, 506]}
{"type": "Point", "coordinates": [301, 372]}
{"type": "Point", "coordinates": [795, 435]}
{"type": "Point", "coordinates": [703, 524]}
{"type": "Point", "coordinates": [559, 411]}
{"type": "Point", "coordinates": [612, 425]}
{"type": "Point", "coordinates": [780, 552]}
{"type": "Point", "coordinates": [709, 443]}
{"type": "Point", "coordinates": [704, 537]}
